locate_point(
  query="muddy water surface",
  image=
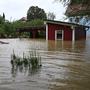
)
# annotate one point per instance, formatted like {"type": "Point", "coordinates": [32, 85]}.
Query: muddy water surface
{"type": "Point", "coordinates": [65, 65]}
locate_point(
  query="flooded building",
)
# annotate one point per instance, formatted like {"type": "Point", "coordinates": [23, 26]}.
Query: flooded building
{"type": "Point", "coordinates": [57, 30]}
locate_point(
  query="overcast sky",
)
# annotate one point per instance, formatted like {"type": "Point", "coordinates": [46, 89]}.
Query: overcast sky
{"type": "Point", "coordinates": [16, 9]}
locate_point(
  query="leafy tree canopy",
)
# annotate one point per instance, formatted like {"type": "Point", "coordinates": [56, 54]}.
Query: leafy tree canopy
{"type": "Point", "coordinates": [34, 12]}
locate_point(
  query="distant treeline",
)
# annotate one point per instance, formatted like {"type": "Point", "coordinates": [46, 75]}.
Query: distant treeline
{"type": "Point", "coordinates": [35, 17]}
{"type": "Point", "coordinates": [8, 29]}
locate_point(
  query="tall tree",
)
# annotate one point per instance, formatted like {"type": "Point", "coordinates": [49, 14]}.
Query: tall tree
{"type": "Point", "coordinates": [34, 12]}
{"type": "Point", "coordinates": [77, 7]}
{"type": "Point", "coordinates": [1, 19]}
{"type": "Point", "coordinates": [51, 16]}
{"type": "Point", "coordinates": [3, 16]}
{"type": "Point", "coordinates": [78, 11]}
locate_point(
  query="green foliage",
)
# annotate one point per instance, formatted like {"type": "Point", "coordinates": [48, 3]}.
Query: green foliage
{"type": "Point", "coordinates": [6, 28]}
{"type": "Point", "coordinates": [18, 24]}
{"type": "Point", "coordinates": [2, 31]}
{"type": "Point", "coordinates": [35, 22]}
{"type": "Point", "coordinates": [24, 24]}
{"type": "Point", "coordinates": [1, 20]}
{"type": "Point", "coordinates": [29, 63]}
{"type": "Point", "coordinates": [34, 12]}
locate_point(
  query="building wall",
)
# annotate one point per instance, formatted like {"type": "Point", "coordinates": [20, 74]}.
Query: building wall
{"type": "Point", "coordinates": [80, 33]}
{"type": "Point", "coordinates": [67, 34]}
{"type": "Point", "coordinates": [67, 31]}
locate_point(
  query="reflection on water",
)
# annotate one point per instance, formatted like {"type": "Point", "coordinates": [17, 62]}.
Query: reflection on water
{"type": "Point", "coordinates": [66, 45]}
{"type": "Point", "coordinates": [65, 65]}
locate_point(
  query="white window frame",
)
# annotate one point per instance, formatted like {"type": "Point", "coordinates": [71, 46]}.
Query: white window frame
{"type": "Point", "coordinates": [62, 35]}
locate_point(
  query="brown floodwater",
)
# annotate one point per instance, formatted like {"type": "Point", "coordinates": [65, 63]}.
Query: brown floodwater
{"type": "Point", "coordinates": [65, 65]}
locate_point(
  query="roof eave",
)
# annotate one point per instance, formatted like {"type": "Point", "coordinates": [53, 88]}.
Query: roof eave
{"type": "Point", "coordinates": [64, 23]}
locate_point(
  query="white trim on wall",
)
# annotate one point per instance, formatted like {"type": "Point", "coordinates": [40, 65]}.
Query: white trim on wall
{"type": "Point", "coordinates": [55, 34]}
{"type": "Point", "coordinates": [46, 31]}
{"type": "Point", "coordinates": [73, 34]}
{"type": "Point", "coordinates": [62, 35]}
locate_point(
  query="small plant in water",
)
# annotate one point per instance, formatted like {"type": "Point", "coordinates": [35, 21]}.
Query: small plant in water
{"type": "Point", "coordinates": [31, 62]}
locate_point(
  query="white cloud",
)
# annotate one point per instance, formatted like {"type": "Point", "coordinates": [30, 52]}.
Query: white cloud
{"type": "Point", "coordinates": [18, 8]}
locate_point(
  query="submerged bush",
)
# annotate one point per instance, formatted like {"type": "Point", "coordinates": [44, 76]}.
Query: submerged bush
{"type": "Point", "coordinates": [30, 62]}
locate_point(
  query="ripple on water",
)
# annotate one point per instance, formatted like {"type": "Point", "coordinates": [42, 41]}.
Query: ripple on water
{"type": "Point", "coordinates": [64, 66]}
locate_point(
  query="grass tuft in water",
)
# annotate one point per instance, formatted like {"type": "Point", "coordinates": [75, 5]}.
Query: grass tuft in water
{"type": "Point", "coordinates": [30, 62]}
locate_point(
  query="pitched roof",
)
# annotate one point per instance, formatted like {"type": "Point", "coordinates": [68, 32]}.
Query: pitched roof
{"type": "Point", "coordinates": [64, 23]}
{"type": "Point", "coordinates": [30, 28]}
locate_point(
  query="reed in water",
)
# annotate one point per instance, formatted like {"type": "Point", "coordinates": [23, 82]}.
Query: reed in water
{"type": "Point", "coordinates": [32, 61]}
